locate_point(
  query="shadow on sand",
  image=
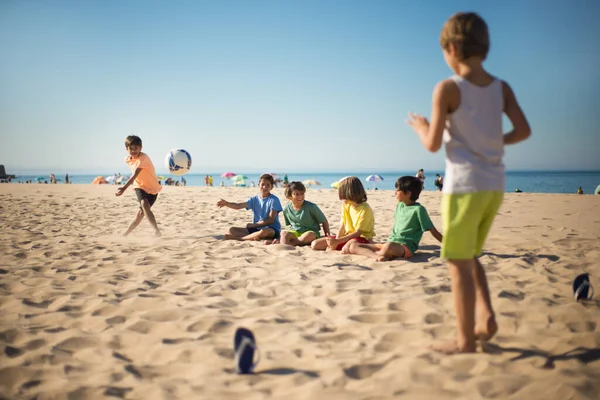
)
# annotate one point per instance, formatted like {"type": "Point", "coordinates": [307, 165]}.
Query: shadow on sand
{"type": "Point", "coordinates": [582, 354]}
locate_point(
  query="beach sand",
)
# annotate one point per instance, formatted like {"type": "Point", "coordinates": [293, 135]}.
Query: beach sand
{"type": "Point", "coordinates": [85, 313]}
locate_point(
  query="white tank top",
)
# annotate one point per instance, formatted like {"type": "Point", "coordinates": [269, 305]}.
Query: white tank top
{"type": "Point", "coordinates": [474, 139]}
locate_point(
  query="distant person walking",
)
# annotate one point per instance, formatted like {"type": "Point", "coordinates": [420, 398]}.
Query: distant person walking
{"type": "Point", "coordinates": [67, 178]}
{"type": "Point", "coordinates": [579, 190]}
{"type": "Point", "coordinates": [439, 182]}
{"type": "Point", "coordinates": [421, 175]}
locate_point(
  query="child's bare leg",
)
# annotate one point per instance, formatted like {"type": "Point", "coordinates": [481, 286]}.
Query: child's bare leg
{"type": "Point", "coordinates": [139, 216]}
{"type": "Point", "coordinates": [289, 238]}
{"type": "Point", "coordinates": [319, 244]}
{"type": "Point", "coordinates": [463, 291]}
{"type": "Point", "coordinates": [150, 215]}
{"type": "Point", "coordinates": [266, 233]}
{"type": "Point", "coordinates": [485, 321]}
{"type": "Point", "coordinates": [236, 233]}
{"type": "Point", "coordinates": [305, 239]}
{"type": "Point", "coordinates": [363, 249]}
{"type": "Point", "coordinates": [389, 251]}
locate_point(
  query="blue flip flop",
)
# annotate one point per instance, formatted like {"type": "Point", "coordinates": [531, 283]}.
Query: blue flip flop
{"type": "Point", "coordinates": [582, 288]}
{"type": "Point", "coordinates": [244, 345]}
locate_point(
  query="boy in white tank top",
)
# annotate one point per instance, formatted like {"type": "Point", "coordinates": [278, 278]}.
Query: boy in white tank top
{"type": "Point", "coordinates": [467, 116]}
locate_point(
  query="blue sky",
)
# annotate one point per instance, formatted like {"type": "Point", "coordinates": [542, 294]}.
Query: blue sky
{"type": "Point", "coordinates": [279, 85]}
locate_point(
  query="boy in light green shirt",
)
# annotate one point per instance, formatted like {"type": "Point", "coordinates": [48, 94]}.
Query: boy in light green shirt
{"type": "Point", "coordinates": [410, 221]}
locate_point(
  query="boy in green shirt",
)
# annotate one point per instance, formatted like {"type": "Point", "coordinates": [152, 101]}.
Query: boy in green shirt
{"type": "Point", "coordinates": [410, 221]}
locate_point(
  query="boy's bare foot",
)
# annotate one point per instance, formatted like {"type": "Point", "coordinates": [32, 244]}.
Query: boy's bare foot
{"type": "Point", "coordinates": [452, 348]}
{"type": "Point", "coordinates": [485, 328]}
{"type": "Point", "coordinates": [382, 258]}
{"type": "Point", "coordinates": [229, 236]}
{"type": "Point", "coordinates": [271, 241]}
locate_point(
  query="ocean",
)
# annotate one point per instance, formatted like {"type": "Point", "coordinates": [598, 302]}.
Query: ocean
{"type": "Point", "coordinates": [527, 181]}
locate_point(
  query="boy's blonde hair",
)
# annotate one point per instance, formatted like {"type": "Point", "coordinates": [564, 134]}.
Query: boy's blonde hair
{"type": "Point", "coordinates": [468, 32]}
{"type": "Point", "coordinates": [352, 189]}
{"type": "Point", "coordinates": [294, 185]}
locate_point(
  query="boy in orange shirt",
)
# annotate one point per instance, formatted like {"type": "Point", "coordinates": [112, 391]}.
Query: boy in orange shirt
{"type": "Point", "coordinates": [146, 183]}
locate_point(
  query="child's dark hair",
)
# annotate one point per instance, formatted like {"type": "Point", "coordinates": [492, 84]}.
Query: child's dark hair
{"type": "Point", "coordinates": [468, 32]}
{"type": "Point", "coordinates": [132, 140]}
{"type": "Point", "coordinates": [410, 184]}
{"type": "Point", "coordinates": [297, 186]}
{"type": "Point", "coordinates": [352, 189]}
{"type": "Point", "coordinates": [268, 178]}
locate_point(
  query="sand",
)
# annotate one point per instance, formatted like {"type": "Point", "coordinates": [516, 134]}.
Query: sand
{"type": "Point", "coordinates": [85, 313]}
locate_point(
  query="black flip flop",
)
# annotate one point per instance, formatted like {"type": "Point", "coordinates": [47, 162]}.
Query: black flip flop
{"type": "Point", "coordinates": [582, 288]}
{"type": "Point", "coordinates": [244, 345]}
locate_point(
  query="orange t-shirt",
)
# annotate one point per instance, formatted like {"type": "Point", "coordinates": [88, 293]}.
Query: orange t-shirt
{"type": "Point", "coordinates": [146, 179]}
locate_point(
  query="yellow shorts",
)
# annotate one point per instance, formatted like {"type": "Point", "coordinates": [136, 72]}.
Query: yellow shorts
{"type": "Point", "coordinates": [467, 219]}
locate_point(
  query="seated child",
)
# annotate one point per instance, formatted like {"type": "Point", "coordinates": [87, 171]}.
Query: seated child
{"type": "Point", "coordinates": [303, 216]}
{"type": "Point", "coordinates": [358, 221]}
{"type": "Point", "coordinates": [410, 221]}
{"type": "Point", "coordinates": [265, 208]}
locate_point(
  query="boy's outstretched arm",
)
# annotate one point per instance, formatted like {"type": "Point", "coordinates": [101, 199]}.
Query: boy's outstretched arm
{"type": "Point", "coordinates": [521, 129]}
{"type": "Point", "coordinates": [436, 234]}
{"type": "Point", "coordinates": [445, 93]}
{"type": "Point", "coordinates": [235, 206]}
{"type": "Point", "coordinates": [122, 190]}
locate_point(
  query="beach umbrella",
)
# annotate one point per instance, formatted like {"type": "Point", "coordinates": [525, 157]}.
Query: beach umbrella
{"type": "Point", "coordinates": [311, 182]}
{"type": "Point", "coordinates": [238, 178]}
{"type": "Point", "coordinates": [99, 180]}
{"type": "Point", "coordinates": [374, 178]}
{"type": "Point", "coordinates": [40, 178]}
{"type": "Point", "coordinates": [227, 175]}
{"type": "Point", "coordinates": [597, 191]}
{"type": "Point", "coordinates": [110, 178]}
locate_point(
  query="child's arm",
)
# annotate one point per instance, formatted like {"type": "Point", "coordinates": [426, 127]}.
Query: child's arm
{"type": "Point", "coordinates": [445, 94]}
{"type": "Point", "coordinates": [265, 222]}
{"type": "Point", "coordinates": [122, 190]}
{"type": "Point", "coordinates": [436, 234]}
{"type": "Point", "coordinates": [342, 237]}
{"type": "Point", "coordinates": [521, 129]}
{"type": "Point", "coordinates": [235, 206]}
{"type": "Point", "coordinates": [326, 228]}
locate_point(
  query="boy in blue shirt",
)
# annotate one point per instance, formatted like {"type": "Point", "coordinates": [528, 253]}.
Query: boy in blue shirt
{"type": "Point", "coordinates": [265, 208]}
{"type": "Point", "coordinates": [410, 221]}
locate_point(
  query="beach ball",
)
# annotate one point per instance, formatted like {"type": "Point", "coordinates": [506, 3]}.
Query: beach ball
{"type": "Point", "coordinates": [178, 162]}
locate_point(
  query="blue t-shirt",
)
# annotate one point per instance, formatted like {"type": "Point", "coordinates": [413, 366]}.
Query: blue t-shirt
{"type": "Point", "coordinates": [261, 208]}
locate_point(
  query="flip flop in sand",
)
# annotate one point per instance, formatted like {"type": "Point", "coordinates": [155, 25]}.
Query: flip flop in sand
{"type": "Point", "coordinates": [244, 345]}
{"type": "Point", "coordinates": [582, 288]}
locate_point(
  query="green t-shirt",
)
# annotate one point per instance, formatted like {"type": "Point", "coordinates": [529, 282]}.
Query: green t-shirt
{"type": "Point", "coordinates": [308, 218]}
{"type": "Point", "coordinates": [409, 224]}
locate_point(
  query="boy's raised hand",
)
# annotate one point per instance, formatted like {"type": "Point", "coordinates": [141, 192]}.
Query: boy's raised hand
{"type": "Point", "coordinates": [221, 203]}
{"type": "Point", "coordinates": [418, 123]}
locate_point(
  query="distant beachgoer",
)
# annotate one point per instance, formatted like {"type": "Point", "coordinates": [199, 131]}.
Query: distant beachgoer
{"type": "Point", "coordinates": [421, 175]}
{"type": "Point", "coordinates": [304, 218]}
{"type": "Point", "coordinates": [52, 178]}
{"type": "Point", "coordinates": [285, 180]}
{"type": "Point", "coordinates": [410, 221]}
{"type": "Point", "coordinates": [469, 108]}
{"type": "Point", "coordinates": [439, 182]}
{"type": "Point", "coordinates": [579, 190]}
{"type": "Point", "coordinates": [145, 183]}
{"type": "Point", "coordinates": [517, 190]}
{"type": "Point", "coordinates": [66, 178]}
{"type": "Point", "coordinates": [265, 209]}
{"type": "Point", "coordinates": [210, 180]}
{"type": "Point", "coordinates": [183, 181]}
{"type": "Point", "coordinates": [222, 183]}
{"type": "Point", "coordinates": [358, 220]}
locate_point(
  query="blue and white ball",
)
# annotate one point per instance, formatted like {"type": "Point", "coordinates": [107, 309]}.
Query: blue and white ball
{"type": "Point", "coordinates": [178, 162]}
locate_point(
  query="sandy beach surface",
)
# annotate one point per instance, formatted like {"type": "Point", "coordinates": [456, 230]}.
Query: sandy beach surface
{"type": "Point", "coordinates": [86, 313]}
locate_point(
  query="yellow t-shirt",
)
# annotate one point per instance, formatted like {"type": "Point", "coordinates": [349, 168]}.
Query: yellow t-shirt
{"type": "Point", "coordinates": [146, 180]}
{"type": "Point", "coordinates": [359, 217]}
